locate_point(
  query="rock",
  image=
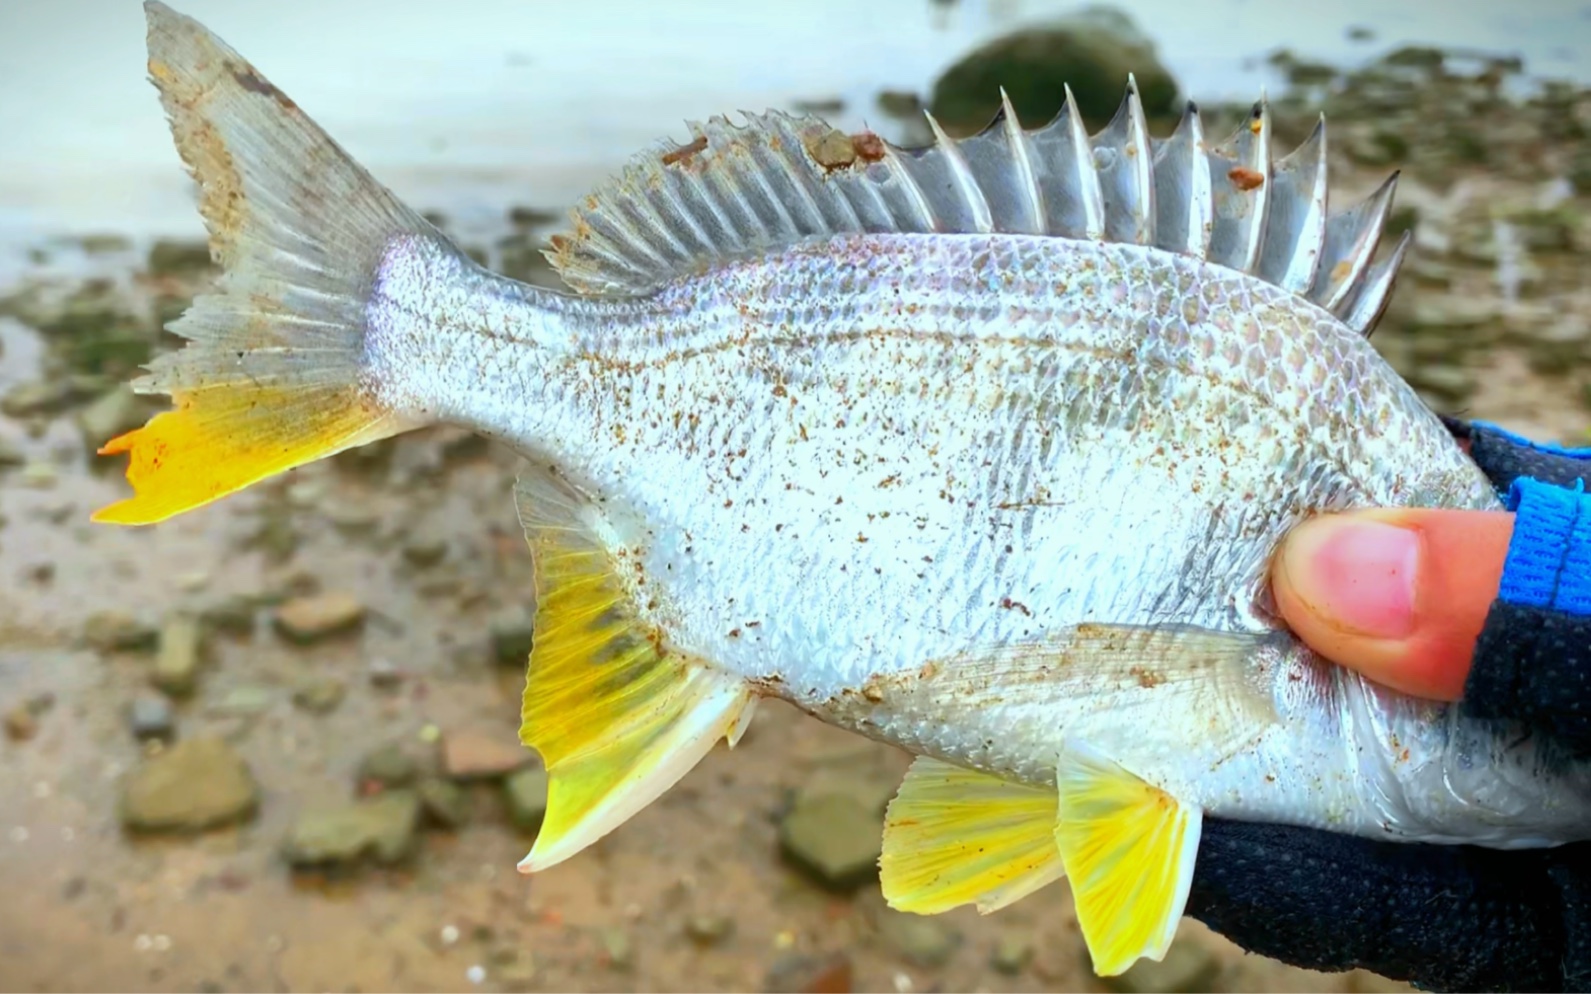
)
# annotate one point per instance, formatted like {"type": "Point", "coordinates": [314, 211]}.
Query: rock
{"type": "Point", "coordinates": [118, 631]}
{"type": "Point", "coordinates": [384, 674]}
{"type": "Point", "coordinates": [526, 795]}
{"type": "Point", "coordinates": [445, 803]}
{"type": "Point", "coordinates": [1188, 968]}
{"type": "Point", "coordinates": [20, 723]}
{"type": "Point", "coordinates": [177, 663]}
{"type": "Point", "coordinates": [151, 717]}
{"type": "Point", "coordinates": [834, 838]}
{"type": "Point", "coordinates": [39, 475]}
{"type": "Point", "coordinates": [1441, 381]}
{"type": "Point", "coordinates": [192, 786]}
{"type": "Point", "coordinates": [798, 973]}
{"type": "Point", "coordinates": [920, 940]}
{"type": "Point", "coordinates": [305, 620]}
{"type": "Point", "coordinates": [618, 948]}
{"type": "Point", "coordinates": [114, 413]}
{"type": "Point", "coordinates": [389, 766]}
{"type": "Point", "coordinates": [230, 615]}
{"type": "Point", "coordinates": [11, 454]}
{"type": "Point", "coordinates": [320, 695]}
{"type": "Point", "coordinates": [1453, 311]}
{"type": "Point", "coordinates": [1012, 953]}
{"type": "Point", "coordinates": [472, 755]}
{"type": "Point", "coordinates": [169, 256]}
{"type": "Point", "coordinates": [246, 701]}
{"type": "Point", "coordinates": [512, 634]}
{"type": "Point", "coordinates": [45, 397]}
{"type": "Point", "coordinates": [900, 103]}
{"type": "Point", "coordinates": [709, 929]}
{"type": "Point", "coordinates": [1093, 50]}
{"type": "Point", "coordinates": [426, 543]}
{"type": "Point", "coordinates": [381, 829]}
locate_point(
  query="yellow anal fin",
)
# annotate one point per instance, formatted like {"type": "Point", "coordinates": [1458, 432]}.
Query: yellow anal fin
{"type": "Point", "coordinates": [1129, 849]}
{"type": "Point", "coordinates": [223, 438]}
{"type": "Point", "coordinates": [956, 836]}
{"type": "Point", "coordinates": [617, 718]}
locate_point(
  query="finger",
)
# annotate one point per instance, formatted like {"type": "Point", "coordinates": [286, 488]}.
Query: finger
{"type": "Point", "coordinates": [1399, 595]}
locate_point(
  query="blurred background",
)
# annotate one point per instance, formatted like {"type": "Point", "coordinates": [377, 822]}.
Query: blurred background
{"type": "Point", "coordinates": [271, 745]}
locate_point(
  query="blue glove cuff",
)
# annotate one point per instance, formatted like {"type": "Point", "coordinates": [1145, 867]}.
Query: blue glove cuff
{"type": "Point", "coordinates": [1549, 558]}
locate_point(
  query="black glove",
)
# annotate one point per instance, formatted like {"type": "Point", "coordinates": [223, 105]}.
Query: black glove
{"type": "Point", "coordinates": [1454, 918]}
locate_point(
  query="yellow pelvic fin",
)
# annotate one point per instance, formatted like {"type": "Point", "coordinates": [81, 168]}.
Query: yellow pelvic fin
{"type": "Point", "coordinates": [617, 718]}
{"type": "Point", "coordinates": [223, 438]}
{"type": "Point", "coordinates": [956, 836]}
{"type": "Point", "coordinates": [1129, 850]}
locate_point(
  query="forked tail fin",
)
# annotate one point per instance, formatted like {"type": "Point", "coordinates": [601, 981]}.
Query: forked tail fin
{"type": "Point", "coordinates": [272, 375]}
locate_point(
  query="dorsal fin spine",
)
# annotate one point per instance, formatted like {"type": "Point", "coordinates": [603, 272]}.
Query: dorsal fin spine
{"type": "Point", "coordinates": [1089, 194]}
{"type": "Point", "coordinates": [977, 204]}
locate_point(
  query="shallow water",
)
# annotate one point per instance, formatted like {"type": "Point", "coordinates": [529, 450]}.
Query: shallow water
{"type": "Point", "coordinates": [476, 105]}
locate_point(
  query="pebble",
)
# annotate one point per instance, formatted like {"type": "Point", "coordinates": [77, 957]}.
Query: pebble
{"type": "Point", "coordinates": [834, 838]}
{"type": "Point", "coordinates": [526, 795]}
{"type": "Point", "coordinates": [512, 632]}
{"type": "Point", "coordinates": [177, 663]}
{"type": "Point", "coordinates": [921, 940]}
{"type": "Point", "coordinates": [21, 723]}
{"type": "Point", "coordinates": [381, 829]}
{"type": "Point", "coordinates": [11, 454]}
{"type": "Point", "coordinates": [389, 766]}
{"type": "Point", "coordinates": [113, 413]}
{"type": "Point", "coordinates": [384, 674]}
{"type": "Point", "coordinates": [152, 717]}
{"type": "Point", "coordinates": [192, 786]}
{"type": "Point", "coordinates": [39, 475]}
{"type": "Point", "coordinates": [618, 948]}
{"type": "Point", "coordinates": [472, 755]}
{"type": "Point", "coordinates": [1189, 968]}
{"type": "Point", "coordinates": [797, 973]}
{"type": "Point", "coordinates": [446, 804]}
{"type": "Point", "coordinates": [305, 620]}
{"type": "Point", "coordinates": [245, 701]}
{"type": "Point", "coordinates": [426, 544]}
{"type": "Point", "coordinates": [1012, 953]}
{"type": "Point", "coordinates": [320, 695]}
{"type": "Point", "coordinates": [709, 929]}
{"type": "Point", "coordinates": [119, 631]}
{"type": "Point", "coordinates": [230, 615]}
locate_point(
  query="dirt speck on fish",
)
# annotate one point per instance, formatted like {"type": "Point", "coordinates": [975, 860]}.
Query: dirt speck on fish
{"type": "Point", "coordinates": [979, 449]}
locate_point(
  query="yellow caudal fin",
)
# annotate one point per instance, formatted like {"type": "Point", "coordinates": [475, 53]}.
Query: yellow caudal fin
{"type": "Point", "coordinates": [956, 836]}
{"type": "Point", "coordinates": [617, 717]}
{"type": "Point", "coordinates": [1129, 850]}
{"type": "Point", "coordinates": [273, 374]}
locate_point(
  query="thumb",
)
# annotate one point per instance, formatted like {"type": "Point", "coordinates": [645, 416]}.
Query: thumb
{"type": "Point", "coordinates": [1399, 595]}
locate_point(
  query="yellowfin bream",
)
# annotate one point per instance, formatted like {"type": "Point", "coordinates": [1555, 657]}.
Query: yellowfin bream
{"type": "Point", "coordinates": [979, 449]}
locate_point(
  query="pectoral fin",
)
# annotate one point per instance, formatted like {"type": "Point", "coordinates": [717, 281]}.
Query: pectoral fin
{"type": "Point", "coordinates": [617, 718]}
{"type": "Point", "coordinates": [955, 836]}
{"type": "Point", "coordinates": [1129, 849]}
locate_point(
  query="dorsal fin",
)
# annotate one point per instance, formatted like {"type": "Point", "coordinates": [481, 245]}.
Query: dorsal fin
{"type": "Point", "coordinates": [736, 190]}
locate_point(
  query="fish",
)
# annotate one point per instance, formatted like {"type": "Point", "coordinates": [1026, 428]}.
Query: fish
{"type": "Point", "coordinates": [979, 449]}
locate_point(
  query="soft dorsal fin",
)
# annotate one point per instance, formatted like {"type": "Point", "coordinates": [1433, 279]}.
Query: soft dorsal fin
{"type": "Point", "coordinates": [736, 190]}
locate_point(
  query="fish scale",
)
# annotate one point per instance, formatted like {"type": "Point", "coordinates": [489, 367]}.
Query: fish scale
{"type": "Point", "coordinates": [980, 449]}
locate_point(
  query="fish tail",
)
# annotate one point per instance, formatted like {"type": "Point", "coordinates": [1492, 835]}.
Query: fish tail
{"type": "Point", "coordinates": [274, 372]}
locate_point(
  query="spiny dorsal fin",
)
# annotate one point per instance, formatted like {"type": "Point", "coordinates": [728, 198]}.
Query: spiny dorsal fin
{"type": "Point", "coordinates": [737, 190]}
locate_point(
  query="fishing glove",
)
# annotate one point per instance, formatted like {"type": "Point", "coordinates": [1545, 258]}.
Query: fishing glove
{"type": "Point", "coordinates": [1452, 918]}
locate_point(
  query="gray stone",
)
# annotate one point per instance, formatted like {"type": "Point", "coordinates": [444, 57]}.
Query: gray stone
{"type": "Point", "coordinates": [834, 838]}
{"type": "Point", "coordinates": [1188, 968]}
{"type": "Point", "coordinates": [526, 796]}
{"type": "Point", "coordinates": [512, 634]}
{"type": "Point", "coordinates": [381, 829]}
{"type": "Point", "coordinates": [21, 724]}
{"type": "Point", "coordinates": [426, 544]}
{"type": "Point", "coordinates": [247, 700]}
{"type": "Point", "coordinates": [40, 475]}
{"type": "Point", "coordinates": [11, 454]}
{"type": "Point", "coordinates": [920, 940]}
{"type": "Point", "coordinates": [114, 413]}
{"type": "Point", "coordinates": [45, 397]}
{"type": "Point", "coordinates": [118, 631]}
{"type": "Point", "coordinates": [192, 786]}
{"type": "Point", "coordinates": [799, 973]}
{"type": "Point", "coordinates": [1012, 953]}
{"type": "Point", "coordinates": [389, 766]}
{"type": "Point", "coordinates": [320, 695]}
{"type": "Point", "coordinates": [152, 717]}
{"type": "Point", "coordinates": [305, 620]}
{"type": "Point", "coordinates": [446, 804]}
{"type": "Point", "coordinates": [176, 669]}
{"type": "Point", "coordinates": [170, 256]}
{"type": "Point", "coordinates": [1092, 50]}
{"type": "Point", "coordinates": [231, 615]}
{"type": "Point", "coordinates": [709, 929]}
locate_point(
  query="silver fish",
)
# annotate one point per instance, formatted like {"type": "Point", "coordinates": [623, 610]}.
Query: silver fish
{"type": "Point", "coordinates": [979, 449]}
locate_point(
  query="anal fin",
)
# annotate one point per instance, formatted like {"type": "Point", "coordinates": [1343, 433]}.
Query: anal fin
{"type": "Point", "coordinates": [956, 836]}
{"type": "Point", "coordinates": [1129, 849]}
{"type": "Point", "coordinates": [617, 717]}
